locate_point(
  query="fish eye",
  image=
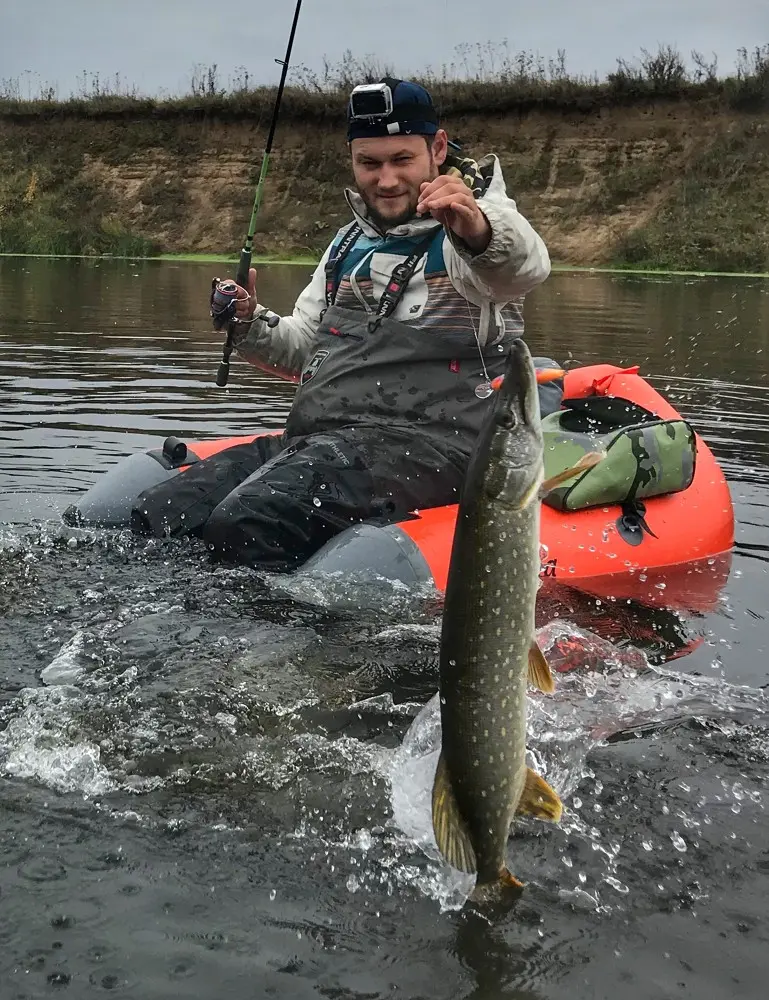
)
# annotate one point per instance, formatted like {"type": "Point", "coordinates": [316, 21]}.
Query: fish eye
{"type": "Point", "coordinates": [507, 420]}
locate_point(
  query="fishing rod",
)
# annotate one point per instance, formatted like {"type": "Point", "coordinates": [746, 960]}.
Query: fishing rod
{"type": "Point", "coordinates": [224, 293]}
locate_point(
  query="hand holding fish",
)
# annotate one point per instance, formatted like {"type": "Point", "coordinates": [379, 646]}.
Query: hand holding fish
{"type": "Point", "coordinates": [451, 202]}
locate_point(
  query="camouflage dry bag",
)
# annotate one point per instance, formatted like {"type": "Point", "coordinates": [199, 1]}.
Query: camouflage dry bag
{"type": "Point", "coordinates": [645, 456]}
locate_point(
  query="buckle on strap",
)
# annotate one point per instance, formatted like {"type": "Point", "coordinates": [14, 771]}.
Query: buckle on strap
{"type": "Point", "coordinates": [401, 275]}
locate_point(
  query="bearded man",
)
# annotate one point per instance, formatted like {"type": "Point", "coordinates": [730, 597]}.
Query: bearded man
{"type": "Point", "coordinates": [410, 313]}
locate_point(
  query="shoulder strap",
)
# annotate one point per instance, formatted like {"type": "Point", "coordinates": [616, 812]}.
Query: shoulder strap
{"type": "Point", "coordinates": [401, 275]}
{"type": "Point", "coordinates": [335, 259]}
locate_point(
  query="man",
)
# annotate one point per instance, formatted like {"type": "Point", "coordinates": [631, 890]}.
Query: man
{"type": "Point", "coordinates": [409, 314]}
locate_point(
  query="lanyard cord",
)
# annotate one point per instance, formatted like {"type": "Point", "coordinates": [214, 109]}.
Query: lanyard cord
{"type": "Point", "coordinates": [484, 389]}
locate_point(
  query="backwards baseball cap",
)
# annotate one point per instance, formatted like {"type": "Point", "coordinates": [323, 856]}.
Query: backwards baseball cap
{"type": "Point", "coordinates": [390, 107]}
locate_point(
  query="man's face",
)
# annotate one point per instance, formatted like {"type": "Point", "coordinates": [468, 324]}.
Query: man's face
{"type": "Point", "coordinates": [389, 171]}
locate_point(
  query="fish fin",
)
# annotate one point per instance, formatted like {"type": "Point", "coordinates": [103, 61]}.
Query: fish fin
{"type": "Point", "coordinates": [539, 671]}
{"type": "Point", "coordinates": [586, 462]}
{"type": "Point", "coordinates": [538, 799]}
{"type": "Point", "coordinates": [450, 830]}
{"type": "Point", "coordinates": [501, 894]}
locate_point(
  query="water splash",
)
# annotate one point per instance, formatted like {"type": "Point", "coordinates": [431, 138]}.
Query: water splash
{"type": "Point", "coordinates": [67, 667]}
{"type": "Point", "coordinates": [587, 709]}
{"type": "Point", "coordinates": [37, 745]}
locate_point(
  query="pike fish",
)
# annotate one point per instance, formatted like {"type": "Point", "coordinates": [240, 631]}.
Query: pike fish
{"type": "Point", "coordinates": [488, 652]}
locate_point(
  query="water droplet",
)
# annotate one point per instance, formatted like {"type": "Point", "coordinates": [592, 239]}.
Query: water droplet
{"type": "Point", "coordinates": [364, 839]}
{"type": "Point", "coordinates": [678, 841]}
{"type": "Point", "coordinates": [273, 894]}
{"type": "Point", "coordinates": [316, 501]}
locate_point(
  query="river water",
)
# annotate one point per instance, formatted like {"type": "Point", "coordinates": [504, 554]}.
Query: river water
{"type": "Point", "coordinates": [193, 802]}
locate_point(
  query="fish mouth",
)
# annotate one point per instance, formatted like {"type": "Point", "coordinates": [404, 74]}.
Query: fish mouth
{"type": "Point", "coordinates": [518, 397]}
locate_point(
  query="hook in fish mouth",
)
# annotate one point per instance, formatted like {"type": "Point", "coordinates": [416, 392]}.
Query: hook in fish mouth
{"type": "Point", "coordinates": [544, 375]}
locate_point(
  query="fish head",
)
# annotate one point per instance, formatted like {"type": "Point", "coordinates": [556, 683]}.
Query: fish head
{"type": "Point", "coordinates": [515, 468]}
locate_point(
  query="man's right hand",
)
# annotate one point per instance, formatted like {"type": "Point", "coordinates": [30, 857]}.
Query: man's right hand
{"type": "Point", "coordinates": [245, 303]}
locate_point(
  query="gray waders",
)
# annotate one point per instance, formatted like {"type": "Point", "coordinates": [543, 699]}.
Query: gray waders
{"type": "Point", "coordinates": [382, 424]}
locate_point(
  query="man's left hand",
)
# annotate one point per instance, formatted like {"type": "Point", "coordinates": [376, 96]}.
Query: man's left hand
{"type": "Point", "coordinates": [451, 202]}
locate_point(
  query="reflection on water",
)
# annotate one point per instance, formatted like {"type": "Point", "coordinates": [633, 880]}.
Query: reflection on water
{"type": "Point", "coordinates": [192, 800]}
{"type": "Point", "coordinates": [100, 358]}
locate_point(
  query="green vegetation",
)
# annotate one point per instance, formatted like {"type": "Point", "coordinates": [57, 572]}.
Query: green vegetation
{"type": "Point", "coordinates": [42, 213]}
{"type": "Point", "coordinates": [664, 164]}
{"type": "Point", "coordinates": [488, 78]}
{"type": "Point", "coordinates": [719, 217]}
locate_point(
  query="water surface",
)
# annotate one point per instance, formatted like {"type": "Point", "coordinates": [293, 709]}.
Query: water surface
{"type": "Point", "coordinates": [194, 808]}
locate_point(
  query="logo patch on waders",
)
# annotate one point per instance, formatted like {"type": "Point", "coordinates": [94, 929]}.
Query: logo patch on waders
{"type": "Point", "coordinates": [315, 362]}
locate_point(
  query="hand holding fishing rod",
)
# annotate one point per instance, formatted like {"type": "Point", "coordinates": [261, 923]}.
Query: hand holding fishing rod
{"type": "Point", "coordinates": [225, 297]}
{"type": "Point", "coordinates": [224, 294]}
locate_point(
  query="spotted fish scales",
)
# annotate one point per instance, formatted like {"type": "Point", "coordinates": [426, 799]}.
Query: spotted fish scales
{"type": "Point", "coordinates": [488, 653]}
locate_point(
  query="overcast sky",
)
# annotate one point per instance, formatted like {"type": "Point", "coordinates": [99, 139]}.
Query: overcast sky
{"type": "Point", "coordinates": [156, 44]}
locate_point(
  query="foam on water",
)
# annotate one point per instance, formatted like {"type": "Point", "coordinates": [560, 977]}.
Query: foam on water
{"type": "Point", "coordinates": [338, 590]}
{"type": "Point", "coordinates": [67, 666]}
{"type": "Point", "coordinates": [36, 745]}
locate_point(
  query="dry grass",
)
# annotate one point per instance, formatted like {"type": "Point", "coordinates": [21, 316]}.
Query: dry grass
{"type": "Point", "coordinates": [480, 79]}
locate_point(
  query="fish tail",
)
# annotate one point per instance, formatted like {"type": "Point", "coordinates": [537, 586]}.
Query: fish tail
{"type": "Point", "coordinates": [500, 894]}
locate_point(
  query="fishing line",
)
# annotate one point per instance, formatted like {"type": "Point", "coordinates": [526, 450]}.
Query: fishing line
{"type": "Point", "coordinates": [484, 389]}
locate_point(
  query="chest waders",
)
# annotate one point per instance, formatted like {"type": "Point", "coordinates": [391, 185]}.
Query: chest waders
{"type": "Point", "coordinates": [371, 369]}
{"type": "Point", "coordinates": [383, 421]}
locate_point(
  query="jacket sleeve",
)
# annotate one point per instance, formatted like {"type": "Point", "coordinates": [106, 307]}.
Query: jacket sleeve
{"type": "Point", "coordinates": [283, 349]}
{"type": "Point", "coordinates": [516, 259]}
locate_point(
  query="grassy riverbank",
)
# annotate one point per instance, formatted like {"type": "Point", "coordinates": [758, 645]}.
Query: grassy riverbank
{"type": "Point", "coordinates": [663, 165]}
